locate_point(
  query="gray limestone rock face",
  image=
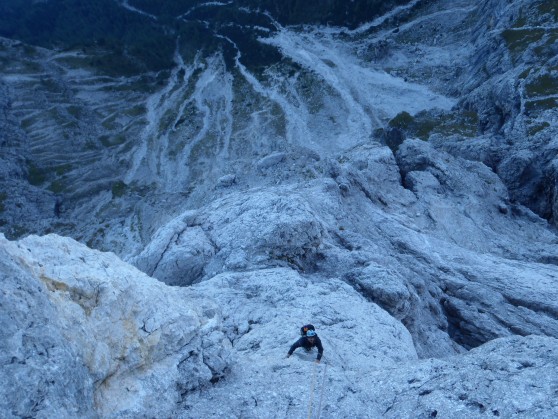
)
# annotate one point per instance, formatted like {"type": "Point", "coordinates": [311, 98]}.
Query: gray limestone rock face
{"type": "Point", "coordinates": [509, 377]}
{"type": "Point", "coordinates": [260, 228]}
{"type": "Point", "coordinates": [41, 374]}
{"type": "Point", "coordinates": [369, 369]}
{"type": "Point", "coordinates": [87, 334]}
{"type": "Point", "coordinates": [263, 312]}
{"type": "Point", "coordinates": [395, 184]}
{"type": "Point", "coordinates": [111, 174]}
{"type": "Point", "coordinates": [383, 286]}
{"type": "Point", "coordinates": [404, 234]}
{"type": "Point", "coordinates": [177, 254]}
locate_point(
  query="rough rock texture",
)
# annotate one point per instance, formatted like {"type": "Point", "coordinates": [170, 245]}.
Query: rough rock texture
{"type": "Point", "coordinates": [105, 340]}
{"type": "Point", "coordinates": [508, 377]}
{"type": "Point", "coordinates": [393, 184]}
{"type": "Point", "coordinates": [431, 238]}
{"type": "Point", "coordinates": [41, 374]}
{"type": "Point", "coordinates": [513, 90]}
{"type": "Point", "coordinates": [120, 157]}
{"type": "Point", "coordinates": [369, 368]}
{"type": "Point", "coordinates": [102, 336]}
{"type": "Point", "coordinates": [237, 232]}
{"type": "Point", "coordinates": [262, 312]}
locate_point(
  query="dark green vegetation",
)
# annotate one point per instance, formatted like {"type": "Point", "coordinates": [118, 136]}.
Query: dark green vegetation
{"type": "Point", "coordinates": [332, 12]}
{"type": "Point", "coordinates": [462, 123]}
{"type": "Point", "coordinates": [123, 42]}
{"type": "Point", "coordinates": [3, 197]}
{"type": "Point", "coordinates": [118, 189]}
{"type": "Point", "coordinates": [287, 12]}
{"type": "Point", "coordinates": [35, 175]}
{"type": "Point", "coordinates": [534, 29]}
{"type": "Point", "coordinates": [546, 84]}
{"type": "Point", "coordinates": [518, 40]}
{"type": "Point", "coordinates": [424, 124]}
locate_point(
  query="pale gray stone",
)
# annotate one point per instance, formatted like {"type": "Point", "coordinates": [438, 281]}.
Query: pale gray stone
{"type": "Point", "coordinates": [116, 342]}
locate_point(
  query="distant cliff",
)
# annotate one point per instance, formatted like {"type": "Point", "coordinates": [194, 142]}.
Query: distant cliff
{"type": "Point", "coordinates": [384, 170]}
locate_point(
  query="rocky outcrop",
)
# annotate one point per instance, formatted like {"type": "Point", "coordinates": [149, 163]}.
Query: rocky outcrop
{"type": "Point", "coordinates": [509, 377]}
{"type": "Point", "coordinates": [511, 86]}
{"type": "Point", "coordinates": [241, 231]}
{"type": "Point", "coordinates": [41, 372]}
{"type": "Point", "coordinates": [405, 231]}
{"type": "Point", "coordinates": [110, 174]}
{"type": "Point", "coordinates": [86, 335]}
{"type": "Point", "coordinates": [369, 368]}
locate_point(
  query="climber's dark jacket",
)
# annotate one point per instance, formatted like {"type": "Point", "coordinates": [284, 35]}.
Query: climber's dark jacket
{"type": "Point", "coordinates": [303, 342]}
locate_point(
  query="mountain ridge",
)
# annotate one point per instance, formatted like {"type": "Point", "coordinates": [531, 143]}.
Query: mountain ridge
{"type": "Point", "coordinates": [392, 182]}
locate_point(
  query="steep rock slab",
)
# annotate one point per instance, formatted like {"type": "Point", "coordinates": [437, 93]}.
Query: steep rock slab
{"type": "Point", "coordinates": [449, 255]}
{"type": "Point", "coordinates": [262, 313]}
{"type": "Point", "coordinates": [143, 344]}
{"type": "Point", "coordinates": [423, 234]}
{"type": "Point", "coordinates": [512, 377]}
{"type": "Point", "coordinates": [40, 372]}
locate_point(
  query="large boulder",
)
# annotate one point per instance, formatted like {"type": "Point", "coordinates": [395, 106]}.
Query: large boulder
{"type": "Point", "coordinates": [119, 342]}
{"type": "Point", "coordinates": [267, 227]}
{"type": "Point", "coordinates": [41, 374]}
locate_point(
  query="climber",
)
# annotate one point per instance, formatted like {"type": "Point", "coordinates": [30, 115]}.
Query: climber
{"type": "Point", "coordinates": [307, 342]}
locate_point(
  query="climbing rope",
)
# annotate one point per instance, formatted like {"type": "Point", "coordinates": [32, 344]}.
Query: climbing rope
{"type": "Point", "coordinates": [322, 392]}
{"type": "Point", "coordinates": [311, 398]}
{"type": "Point", "coordinates": [312, 386]}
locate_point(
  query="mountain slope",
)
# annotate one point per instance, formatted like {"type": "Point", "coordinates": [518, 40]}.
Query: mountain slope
{"type": "Point", "coordinates": [120, 344]}
{"type": "Point", "coordinates": [108, 151]}
{"type": "Point", "coordinates": [390, 178]}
